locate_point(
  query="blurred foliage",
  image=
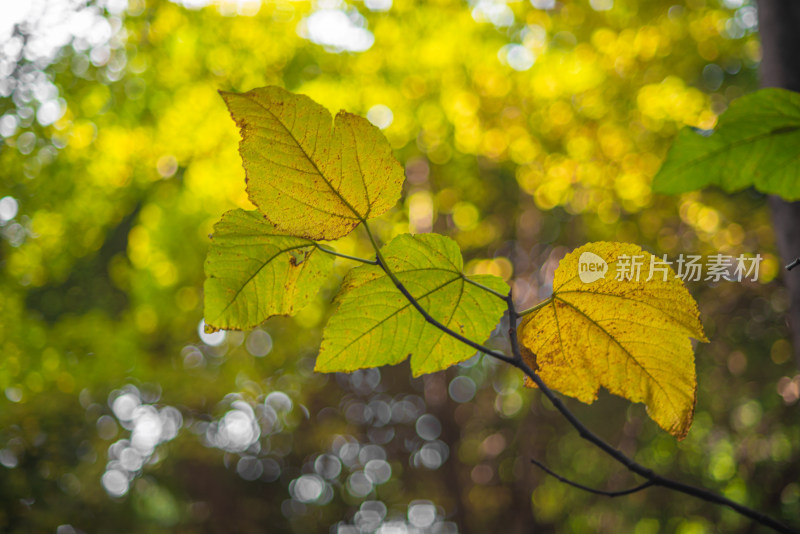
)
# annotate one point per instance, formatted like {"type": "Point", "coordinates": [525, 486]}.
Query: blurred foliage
{"type": "Point", "coordinates": [753, 145]}
{"type": "Point", "coordinates": [526, 129]}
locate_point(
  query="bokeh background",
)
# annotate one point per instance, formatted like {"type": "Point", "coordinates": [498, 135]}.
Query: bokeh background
{"type": "Point", "coordinates": [526, 129]}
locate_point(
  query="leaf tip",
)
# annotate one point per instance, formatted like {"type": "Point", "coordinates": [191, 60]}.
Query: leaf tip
{"type": "Point", "coordinates": [226, 95]}
{"type": "Point", "coordinates": [681, 430]}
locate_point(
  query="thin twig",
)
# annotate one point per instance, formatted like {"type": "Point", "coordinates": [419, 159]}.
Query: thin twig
{"type": "Point", "coordinates": [792, 265]}
{"type": "Point", "coordinates": [630, 464]}
{"type": "Point", "coordinates": [517, 361]}
{"type": "Point", "coordinates": [572, 483]}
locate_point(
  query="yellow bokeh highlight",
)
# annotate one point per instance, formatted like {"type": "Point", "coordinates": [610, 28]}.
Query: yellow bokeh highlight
{"type": "Point", "coordinates": [82, 135]}
{"type": "Point", "coordinates": [499, 266]}
{"type": "Point", "coordinates": [672, 100]}
{"type": "Point", "coordinates": [465, 215]}
{"type": "Point", "coordinates": [769, 268]}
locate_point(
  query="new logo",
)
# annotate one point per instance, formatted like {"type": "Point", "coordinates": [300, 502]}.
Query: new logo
{"type": "Point", "coordinates": [591, 267]}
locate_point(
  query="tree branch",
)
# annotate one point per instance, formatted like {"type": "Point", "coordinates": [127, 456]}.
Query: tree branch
{"type": "Point", "coordinates": [574, 484]}
{"type": "Point", "coordinates": [517, 361]}
{"type": "Point", "coordinates": [630, 464]}
{"type": "Point", "coordinates": [792, 265]}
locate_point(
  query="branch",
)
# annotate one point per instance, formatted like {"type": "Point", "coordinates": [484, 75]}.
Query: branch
{"type": "Point", "coordinates": [516, 360]}
{"type": "Point", "coordinates": [630, 464]}
{"type": "Point", "coordinates": [574, 484]}
{"type": "Point", "coordinates": [792, 265]}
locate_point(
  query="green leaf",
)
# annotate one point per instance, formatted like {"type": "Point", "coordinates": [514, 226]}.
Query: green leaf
{"type": "Point", "coordinates": [374, 324]}
{"type": "Point", "coordinates": [310, 179]}
{"type": "Point", "coordinates": [757, 143]}
{"type": "Point", "coordinates": [254, 272]}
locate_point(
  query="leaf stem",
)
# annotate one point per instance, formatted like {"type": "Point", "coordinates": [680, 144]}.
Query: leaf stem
{"type": "Point", "coordinates": [485, 288]}
{"type": "Point", "coordinates": [345, 256]}
{"type": "Point", "coordinates": [539, 306]}
{"type": "Point", "coordinates": [371, 238]}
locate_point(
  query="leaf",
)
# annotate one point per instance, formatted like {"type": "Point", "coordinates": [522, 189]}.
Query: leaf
{"type": "Point", "coordinates": [631, 337]}
{"type": "Point", "coordinates": [309, 179]}
{"type": "Point", "coordinates": [757, 143]}
{"type": "Point", "coordinates": [374, 324]}
{"type": "Point", "coordinates": [254, 272]}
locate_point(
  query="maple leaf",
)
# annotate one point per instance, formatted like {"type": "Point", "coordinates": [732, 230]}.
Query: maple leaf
{"type": "Point", "coordinates": [374, 324]}
{"type": "Point", "coordinates": [630, 337]}
{"type": "Point", "coordinates": [310, 179]}
{"type": "Point", "coordinates": [254, 272]}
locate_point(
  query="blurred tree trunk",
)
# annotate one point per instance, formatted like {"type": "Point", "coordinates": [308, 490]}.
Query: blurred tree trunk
{"type": "Point", "coordinates": [779, 28]}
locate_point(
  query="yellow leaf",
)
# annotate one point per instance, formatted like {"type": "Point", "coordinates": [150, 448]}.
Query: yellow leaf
{"type": "Point", "coordinates": [310, 179]}
{"type": "Point", "coordinates": [629, 336]}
